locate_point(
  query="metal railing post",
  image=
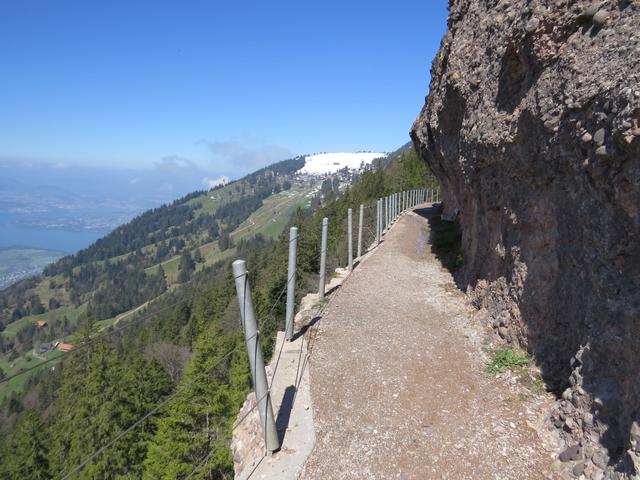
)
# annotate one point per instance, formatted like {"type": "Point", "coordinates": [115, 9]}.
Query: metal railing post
{"type": "Point", "coordinates": [393, 208]}
{"type": "Point", "coordinates": [250, 327]}
{"type": "Point", "coordinates": [361, 219]}
{"type": "Point", "coordinates": [387, 211]}
{"type": "Point", "coordinates": [378, 221]}
{"type": "Point", "coordinates": [350, 238]}
{"type": "Point", "coordinates": [291, 282]}
{"type": "Point", "coordinates": [323, 256]}
{"type": "Point", "coordinates": [395, 205]}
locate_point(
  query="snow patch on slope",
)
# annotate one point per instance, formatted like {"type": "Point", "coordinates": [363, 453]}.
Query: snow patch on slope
{"type": "Point", "coordinates": [324, 163]}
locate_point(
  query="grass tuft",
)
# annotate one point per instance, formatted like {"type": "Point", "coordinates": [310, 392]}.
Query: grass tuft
{"type": "Point", "coordinates": [507, 359]}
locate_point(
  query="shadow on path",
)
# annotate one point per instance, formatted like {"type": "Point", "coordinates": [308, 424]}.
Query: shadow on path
{"type": "Point", "coordinates": [284, 413]}
{"type": "Point", "coordinates": [306, 327]}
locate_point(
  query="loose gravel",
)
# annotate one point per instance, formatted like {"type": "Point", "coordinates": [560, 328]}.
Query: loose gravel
{"type": "Point", "coordinates": [398, 383]}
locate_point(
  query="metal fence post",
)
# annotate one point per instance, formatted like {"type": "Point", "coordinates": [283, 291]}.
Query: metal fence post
{"type": "Point", "coordinates": [323, 256]}
{"type": "Point", "coordinates": [396, 196]}
{"type": "Point", "coordinates": [250, 327]}
{"type": "Point", "coordinates": [383, 214]}
{"type": "Point", "coordinates": [350, 238]}
{"type": "Point", "coordinates": [360, 230]}
{"type": "Point", "coordinates": [393, 208]}
{"type": "Point", "coordinates": [378, 221]}
{"type": "Point", "coordinates": [291, 282]}
{"type": "Point", "coordinates": [396, 205]}
{"type": "Point", "coordinates": [387, 203]}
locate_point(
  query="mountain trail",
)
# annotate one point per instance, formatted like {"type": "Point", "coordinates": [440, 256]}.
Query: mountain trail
{"type": "Point", "coordinates": [398, 381]}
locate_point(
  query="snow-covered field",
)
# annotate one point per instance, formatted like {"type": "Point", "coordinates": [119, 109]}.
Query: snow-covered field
{"type": "Point", "coordinates": [323, 163]}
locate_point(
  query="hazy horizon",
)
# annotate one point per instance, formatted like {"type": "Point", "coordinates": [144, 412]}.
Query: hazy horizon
{"type": "Point", "coordinates": [223, 88]}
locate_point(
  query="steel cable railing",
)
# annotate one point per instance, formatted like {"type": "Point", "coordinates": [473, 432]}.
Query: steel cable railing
{"type": "Point", "coordinates": [307, 338]}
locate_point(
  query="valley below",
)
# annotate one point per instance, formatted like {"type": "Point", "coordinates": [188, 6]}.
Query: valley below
{"type": "Point", "coordinates": [20, 262]}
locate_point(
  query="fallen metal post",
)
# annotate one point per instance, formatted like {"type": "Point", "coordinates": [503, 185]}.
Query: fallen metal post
{"type": "Point", "coordinates": [258, 374]}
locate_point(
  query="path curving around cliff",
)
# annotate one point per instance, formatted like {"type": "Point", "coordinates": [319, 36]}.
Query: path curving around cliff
{"type": "Point", "coordinates": [398, 383]}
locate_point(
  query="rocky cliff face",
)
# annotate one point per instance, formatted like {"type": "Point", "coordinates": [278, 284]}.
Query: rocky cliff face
{"type": "Point", "coordinates": [532, 125]}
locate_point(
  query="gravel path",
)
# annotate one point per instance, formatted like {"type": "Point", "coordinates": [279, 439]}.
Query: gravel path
{"type": "Point", "coordinates": [397, 381]}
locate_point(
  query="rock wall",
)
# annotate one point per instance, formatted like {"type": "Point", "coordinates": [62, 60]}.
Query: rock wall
{"type": "Point", "coordinates": [532, 125]}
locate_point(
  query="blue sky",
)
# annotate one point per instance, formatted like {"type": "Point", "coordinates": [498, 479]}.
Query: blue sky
{"type": "Point", "coordinates": [227, 86]}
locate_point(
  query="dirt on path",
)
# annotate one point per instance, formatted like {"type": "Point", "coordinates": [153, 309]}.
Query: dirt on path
{"type": "Point", "coordinates": [398, 381]}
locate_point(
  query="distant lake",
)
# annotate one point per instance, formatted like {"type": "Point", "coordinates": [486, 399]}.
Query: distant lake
{"type": "Point", "coordinates": [52, 239]}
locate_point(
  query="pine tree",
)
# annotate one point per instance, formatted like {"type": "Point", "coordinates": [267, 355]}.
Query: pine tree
{"type": "Point", "coordinates": [101, 395]}
{"type": "Point", "coordinates": [25, 455]}
{"type": "Point", "coordinates": [199, 420]}
{"type": "Point", "coordinates": [212, 390]}
{"type": "Point", "coordinates": [187, 266]}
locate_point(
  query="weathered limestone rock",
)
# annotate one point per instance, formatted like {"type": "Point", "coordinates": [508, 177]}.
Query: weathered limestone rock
{"type": "Point", "coordinates": [532, 125]}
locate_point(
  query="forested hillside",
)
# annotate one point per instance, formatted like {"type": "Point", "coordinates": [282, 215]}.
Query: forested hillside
{"type": "Point", "coordinates": [151, 310]}
{"type": "Point", "coordinates": [143, 259]}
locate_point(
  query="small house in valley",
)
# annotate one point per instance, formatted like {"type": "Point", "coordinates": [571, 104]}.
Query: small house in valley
{"type": "Point", "coordinates": [65, 347]}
